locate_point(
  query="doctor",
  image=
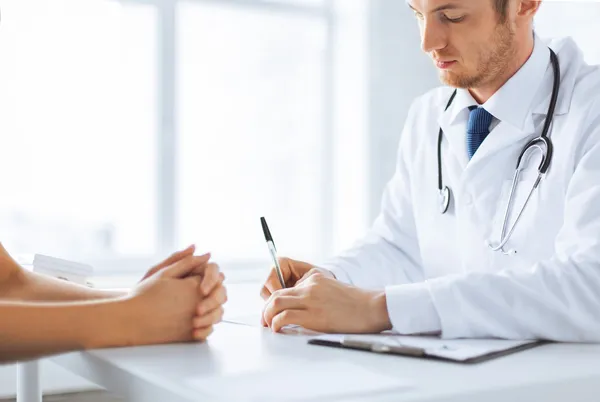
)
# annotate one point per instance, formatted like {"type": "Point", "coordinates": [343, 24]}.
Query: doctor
{"type": "Point", "coordinates": [448, 254]}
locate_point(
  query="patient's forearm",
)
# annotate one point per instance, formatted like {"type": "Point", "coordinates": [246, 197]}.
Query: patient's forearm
{"type": "Point", "coordinates": [32, 330]}
{"type": "Point", "coordinates": [31, 286]}
{"type": "Point", "coordinates": [17, 284]}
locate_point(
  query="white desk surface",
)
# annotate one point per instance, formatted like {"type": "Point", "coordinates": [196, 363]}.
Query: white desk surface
{"type": "Point", "coordinates": [554, 372]}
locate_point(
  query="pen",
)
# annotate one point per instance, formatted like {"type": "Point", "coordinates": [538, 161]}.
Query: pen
{"type": "Point", "coordinates": [272, 250]}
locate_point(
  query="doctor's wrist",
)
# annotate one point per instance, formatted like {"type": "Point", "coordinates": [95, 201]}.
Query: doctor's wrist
{"type": "Point", "coordinates": [380, 318]}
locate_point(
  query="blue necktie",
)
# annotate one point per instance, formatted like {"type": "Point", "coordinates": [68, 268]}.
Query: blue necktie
{"type": "Point", "coordinates": [477, 129]}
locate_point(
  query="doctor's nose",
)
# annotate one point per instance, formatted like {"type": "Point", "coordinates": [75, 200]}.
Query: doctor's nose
{"type": "Point", "coordinates": [432, 37]}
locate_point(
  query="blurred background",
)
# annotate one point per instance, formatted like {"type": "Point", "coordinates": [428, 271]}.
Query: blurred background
{"type": "Point", "coordinates": [129, 128]}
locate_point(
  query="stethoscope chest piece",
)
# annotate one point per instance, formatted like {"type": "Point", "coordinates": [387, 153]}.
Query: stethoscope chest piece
{"type": "Point", "coordinates": [444, 200]}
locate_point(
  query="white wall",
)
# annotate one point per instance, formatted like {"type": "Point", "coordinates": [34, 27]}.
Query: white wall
{"type": "Point", "coordinates": [578, 19]}
{"type": "Point", "coordinates": [398, 72]}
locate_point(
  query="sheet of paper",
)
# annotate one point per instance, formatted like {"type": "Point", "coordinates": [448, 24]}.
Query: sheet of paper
{"type": "Point", "coordinates": [455, 349]}
{"type": "Point", "coordinates": [251, 320]}
{"type": "Point", "coordinates": [321, 381]}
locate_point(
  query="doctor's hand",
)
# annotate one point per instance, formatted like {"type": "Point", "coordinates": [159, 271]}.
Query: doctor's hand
{"type": "Point", "coordinates": [324, 304]}
{"type": "Point", "coordinates": [294, 273]}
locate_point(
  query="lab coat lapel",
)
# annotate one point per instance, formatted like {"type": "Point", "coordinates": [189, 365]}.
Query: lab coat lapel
{"type": "Point", "coordinates": [496, 159]}
{"type": "Point", "coordinates": [503, 136]}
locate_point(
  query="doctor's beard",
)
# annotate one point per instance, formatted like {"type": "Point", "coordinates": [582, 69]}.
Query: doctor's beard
{"type": "Point", "coordinates": [494, 58]}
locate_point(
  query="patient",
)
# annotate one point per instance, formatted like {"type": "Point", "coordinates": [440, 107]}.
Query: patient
{"type": "Point", "coordinates": [178, 300]}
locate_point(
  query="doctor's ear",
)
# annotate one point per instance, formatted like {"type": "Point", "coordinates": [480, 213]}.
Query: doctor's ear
{"type": "Point", "coordinates": [528, 8]}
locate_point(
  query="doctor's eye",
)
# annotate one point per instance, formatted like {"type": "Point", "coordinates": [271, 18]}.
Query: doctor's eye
{"type": "Point", "coordinates": [453, 20]}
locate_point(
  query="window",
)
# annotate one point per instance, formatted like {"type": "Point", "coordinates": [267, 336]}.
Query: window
{"type": "Point", "coordinates": [252, 136]}
{"type": "Point", "coordinates": [78, 128]}
{"type": "Point", "coordinates": [136, 126]}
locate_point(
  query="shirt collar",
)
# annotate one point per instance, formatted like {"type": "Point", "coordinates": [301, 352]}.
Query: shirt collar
{"type": "Point", "coordinates": [511, 103]}
{"type": "Point", "coordinates": [461, 104]}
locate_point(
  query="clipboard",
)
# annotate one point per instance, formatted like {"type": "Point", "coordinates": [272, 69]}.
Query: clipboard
{"type": "Point", "coordinates": [408, 346]}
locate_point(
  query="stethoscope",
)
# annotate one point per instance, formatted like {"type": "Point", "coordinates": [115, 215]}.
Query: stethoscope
{"type": "Point", "coordinates": [541, 143]}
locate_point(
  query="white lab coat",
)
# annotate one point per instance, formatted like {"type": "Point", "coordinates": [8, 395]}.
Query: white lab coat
{"type": "Point", "coordinates": [437, 271]}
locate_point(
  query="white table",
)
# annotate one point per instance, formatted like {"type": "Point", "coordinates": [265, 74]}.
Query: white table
{"type": "Point", "coordinates": [28, 382]}
{"type": "Point", "coordinates": [549, 373]}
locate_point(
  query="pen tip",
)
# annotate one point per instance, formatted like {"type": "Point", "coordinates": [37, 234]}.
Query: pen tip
{"type": "Point", "coordinates": [265, 228]}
